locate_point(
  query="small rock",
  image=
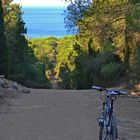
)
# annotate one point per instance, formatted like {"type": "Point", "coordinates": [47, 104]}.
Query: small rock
{"type": "Point", "coordinates": [5, 85]}
{"type": "Point", "coordinates": [2, 76]}
{"type": "Point", "coordinates": [14, 85]}
{"type": "Point", "coordinates": [1, 93]}
{"type": "Point", "coordinates": [25, 91]}
{"type": "Point", "coordinates": [1, 81]}
{"type": "Point", "coordinates": [11, 89]}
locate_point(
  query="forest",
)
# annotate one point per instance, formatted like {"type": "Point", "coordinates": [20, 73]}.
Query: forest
{"type": "Point", "coordinates": [105, 50]}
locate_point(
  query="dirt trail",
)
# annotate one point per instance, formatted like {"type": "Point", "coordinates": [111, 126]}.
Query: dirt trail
{"type": "Point", "coordinates": [64, 115]}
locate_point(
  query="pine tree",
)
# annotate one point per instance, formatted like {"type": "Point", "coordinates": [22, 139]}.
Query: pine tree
{"type": "Point", "coordinates": [19, 54]}
{"type": "Point", "coordinates": [75, 12]}
{"type": "Point", "coordinates": [3, 49]}
{"type": "Point", "coordinates": [112, 23]}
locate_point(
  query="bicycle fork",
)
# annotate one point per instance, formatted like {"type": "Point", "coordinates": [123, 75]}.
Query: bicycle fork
{"type": "Point", "coordinates": [101, 119]}
{"type": "Point", "coordinates": [105, 120]}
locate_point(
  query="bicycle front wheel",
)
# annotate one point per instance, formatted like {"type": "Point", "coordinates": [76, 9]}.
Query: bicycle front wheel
{"type": "Point", "coordinates": [114, 128]}
{"type": "Point", "coordinates": [109, 130]}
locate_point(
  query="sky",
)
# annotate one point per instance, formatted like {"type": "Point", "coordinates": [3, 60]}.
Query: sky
{"type": "Point", "coordinates": [41, 2]}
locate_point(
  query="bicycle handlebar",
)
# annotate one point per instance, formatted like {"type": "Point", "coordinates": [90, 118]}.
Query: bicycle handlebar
{"type": "Point", "coordinates": [110, 91]}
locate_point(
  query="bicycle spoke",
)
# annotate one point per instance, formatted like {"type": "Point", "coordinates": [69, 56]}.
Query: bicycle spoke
{"type": "Point", "coordinates": [107, 137]}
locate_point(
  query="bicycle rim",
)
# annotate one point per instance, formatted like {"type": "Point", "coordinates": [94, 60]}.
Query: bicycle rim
{"type": "Point", "coordinates": [103, 134]}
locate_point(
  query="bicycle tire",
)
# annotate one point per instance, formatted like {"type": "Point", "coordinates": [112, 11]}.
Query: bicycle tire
{"type": "Point", "coordinates": [102, 130]}
{"type": "Point", "coordinates": [103, 133]}
{"type": "Point", "coordinates": [114, 128]}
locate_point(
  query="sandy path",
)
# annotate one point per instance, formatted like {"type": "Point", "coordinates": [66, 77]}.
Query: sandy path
{"type": "Point", "coordinates": [63, 115]}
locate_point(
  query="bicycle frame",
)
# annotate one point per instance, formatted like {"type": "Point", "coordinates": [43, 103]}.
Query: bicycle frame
{"type": "Point", "coordinates": [107, 109]}
{"type": "Point", "coordinates": [107, 121]}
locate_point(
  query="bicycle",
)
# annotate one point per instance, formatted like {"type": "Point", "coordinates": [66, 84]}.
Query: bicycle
{"type": "Point", "coordinates": [107, 121]}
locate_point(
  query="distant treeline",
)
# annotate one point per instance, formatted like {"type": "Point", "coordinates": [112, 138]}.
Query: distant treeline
{"type": "Point", "coordinates": [105, 51]}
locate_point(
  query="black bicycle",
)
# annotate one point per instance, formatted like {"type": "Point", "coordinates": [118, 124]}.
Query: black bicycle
{"type": "Point", "coordinates": [107, 121]}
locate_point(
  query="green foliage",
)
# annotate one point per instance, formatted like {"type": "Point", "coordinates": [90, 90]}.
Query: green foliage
{"type": "Point", "coordinates": [75, 12]}
{"type": "Point", "coordinates": [106, 67]}
{"type": "Point", "coordinates": [133, 19]}
{"type": "Point", "coordinates": [65, 60]}
{"type": "Point", "coordinates": [3, 47]}
{"type": "Point", "coordinates": [79, 69]}
{"type": "Point", "coordinates": [36, 77]}
{"type": "Point", "coordinates": [45, 52]}
{"type": "Point", "coordinates": [112, 72]}
{"type": "Point", "coordinates": [43, 47]}
{"type": "Point", "coordinates": [81, 74]}
{"type": "Point", "coordinates": [19, 54]}
{"type": "Point", "coordinates": [106, 48]}
{"type": "Point", "coordinates": [112, 22]}
{"type": "Point", "coordinates": [21, 62]}
{"type": "Point", "coordinates": [75, 67]}
{"type": "Point", "coordinates": [138, 62]}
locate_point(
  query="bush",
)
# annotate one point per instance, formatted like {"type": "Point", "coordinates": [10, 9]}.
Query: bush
{"type": "Point", "coordinates": [138, 62]}
{"type": "Point", "coordinates": [111, 72]}
{"type": "Point", "coordinates": [106, 69]}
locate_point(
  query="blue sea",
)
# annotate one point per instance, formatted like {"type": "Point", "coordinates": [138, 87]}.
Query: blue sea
{"type": "Point", "coordinates": [44, 21]}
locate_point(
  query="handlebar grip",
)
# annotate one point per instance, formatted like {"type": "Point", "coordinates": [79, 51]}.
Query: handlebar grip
{"type": "Point", "coordinates": [123, 92]}
{"type": "Point", "coordinates": [98, 88]}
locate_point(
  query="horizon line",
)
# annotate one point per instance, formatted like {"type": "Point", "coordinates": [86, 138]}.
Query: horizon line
{"type": "Point", "coordinates": [44, 5]}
